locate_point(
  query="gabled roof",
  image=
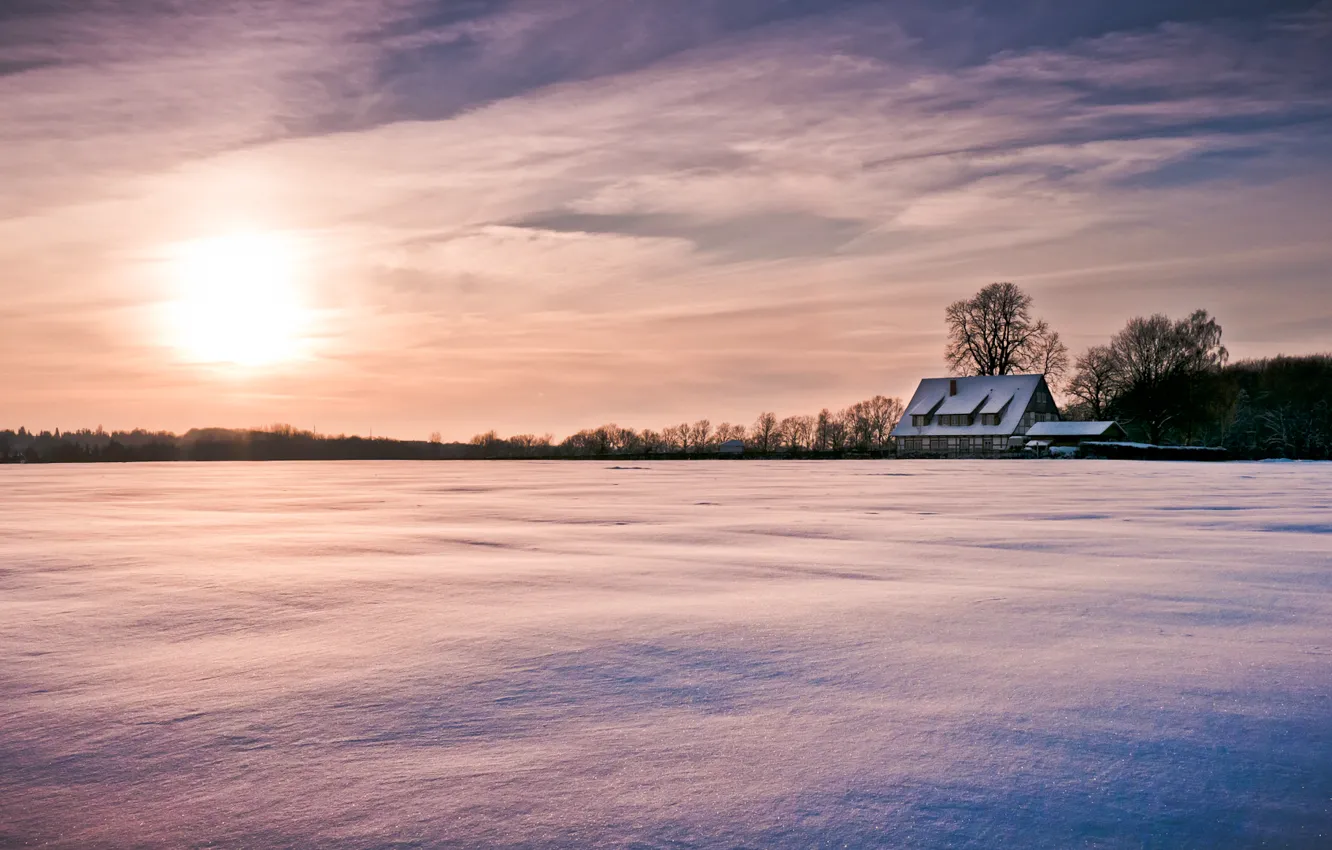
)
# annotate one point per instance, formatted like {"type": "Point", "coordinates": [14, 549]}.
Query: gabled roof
{"type": "Point", "coordinates": [1072, 429]}
{"type": "Point", "coordinates": [975, 395]}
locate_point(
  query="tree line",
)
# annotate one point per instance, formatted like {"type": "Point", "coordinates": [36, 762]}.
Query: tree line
{"type": "Point", "coordinates": [862, 428]}
{"type": "Point", "coordinates": [1167, 381]}
{"type": "Point", "coordinates": [276, 442]}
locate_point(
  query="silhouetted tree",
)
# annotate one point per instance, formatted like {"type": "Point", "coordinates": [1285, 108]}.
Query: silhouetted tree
{"type": "Point", "coordinates": [839, 427]}
{"type": "Point", "coordinates": [727, 432]}
{"type": "Point", "coordinates": [1095, 382]}
{"type": "Point", "coordinates": [762, 437]}
{"type": "Point", "coordinates": [700, 435]}
{"type": "Point", "coordinates": [795, 433]}
{"type": "Point", "coordinates": [1161, 366]}
{"type": "Point", "coordinates": [822, 422]}
{"type": "Point", "coordinates": [993, 333]}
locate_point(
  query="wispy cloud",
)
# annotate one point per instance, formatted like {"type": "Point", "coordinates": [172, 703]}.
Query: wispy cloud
{"type": "Point", "coordinates": [744, 201]}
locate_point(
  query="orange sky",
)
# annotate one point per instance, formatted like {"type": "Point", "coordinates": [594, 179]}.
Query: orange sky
{"type": "Point", "coordinates": [361, 216]}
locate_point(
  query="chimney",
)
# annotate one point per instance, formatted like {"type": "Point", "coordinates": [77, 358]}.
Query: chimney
{"type": "Point", "coordinates": [952, 386]}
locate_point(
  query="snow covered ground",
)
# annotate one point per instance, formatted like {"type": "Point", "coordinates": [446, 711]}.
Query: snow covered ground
{"type": "Point", "coordinates": [792, 654]}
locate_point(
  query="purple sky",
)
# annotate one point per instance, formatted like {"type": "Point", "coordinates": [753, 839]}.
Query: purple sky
{"type": "Point", "coordinates": [539, 216]}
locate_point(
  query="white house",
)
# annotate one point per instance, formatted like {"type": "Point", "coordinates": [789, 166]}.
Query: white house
{"type": "Point", "coordinates": [732, 447]}
{"type": "Point", "coordinates": [967, 417]}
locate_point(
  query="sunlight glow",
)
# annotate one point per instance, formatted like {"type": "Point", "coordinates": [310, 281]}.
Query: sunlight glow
{"type": "Point", "coordinates": [239, 299]}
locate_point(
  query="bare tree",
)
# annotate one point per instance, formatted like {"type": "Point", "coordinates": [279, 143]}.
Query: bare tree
{"type": "Point", "coordinates": [993, 333]}
{"type": "Point", "coordinates": [727, 432]}
{"type": "Point", "coordinates": [1160, 363]}
{"type": "Point", "coordinates": [821, 426]}
{"type": "Point", "coordinates": [795, 432]}
{"type": "Point", "coordinates": [700, 435]}
{"type": "Point", "coordinates": [1095, 381]}
{"type": "Point", "coordinates": [1049, 355]}
{"type": "Point", "coordinates": [652, 441]}
{"type": "Point", "coordinates": [623, 440]}
{"type": "Point", "coordinates": [676, 438]}
{"type": "Point", "coordinates": [877, 418]}
{"type": "Point", "coordinates": [839, 429]}
{"type": "Point", "coordinates": [859, 431]}
{"type": "Point", "coordinates": [523, 444]}
{"type": "Point", "coordinates": [490, 444]}
{"type": "Point", "coordinates": [762, 437]}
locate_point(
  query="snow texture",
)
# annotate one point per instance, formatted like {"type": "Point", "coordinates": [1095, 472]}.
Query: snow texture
{"type": "Point", "coordinates": [709, 654]}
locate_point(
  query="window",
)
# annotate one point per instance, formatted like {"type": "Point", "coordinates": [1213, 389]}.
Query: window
{"type": "Point", "coordinates": [920, 419]}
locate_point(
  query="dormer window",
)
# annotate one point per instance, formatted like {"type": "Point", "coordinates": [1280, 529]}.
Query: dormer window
{"type": "Point", "coordinates": [956, 420]}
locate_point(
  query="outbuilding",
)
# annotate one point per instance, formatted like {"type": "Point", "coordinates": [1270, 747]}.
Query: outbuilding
{"type": "Point", "coordinates": [1052, 437]}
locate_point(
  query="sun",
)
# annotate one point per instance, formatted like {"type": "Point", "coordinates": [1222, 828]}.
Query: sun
{"type": "Point", "coordinates": [239, 299]}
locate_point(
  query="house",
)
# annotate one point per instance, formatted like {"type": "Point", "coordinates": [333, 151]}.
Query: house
{"type": "Point", "coordinates": [987, 415]}
{"type": "Point", "coordinates": [1061, 437]}
{"type": "Point", "coordinates": [732, 448]}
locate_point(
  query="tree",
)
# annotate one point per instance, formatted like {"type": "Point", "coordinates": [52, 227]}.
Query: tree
{"type": "Point", "coordinates": [839, 429]}
{"type": "Point", "coordinates": [652, 441]}
{"type": "Point", "coordinates": [727, 432]}
{"type": "Point", "coordinates": [700, 435]}
{"type": "Point", "coordinates": [1049, 356]}
{"type": "Point", "coordinates": [675, 438]}
{"type": "Point", "coordinates": [762, 437]}
{"type": "Point", "coordinates": [490, 444]}
{"type": "Point", "coordinates": [875, 419]}
{"type": "Point", "coordinates": [993, 333]}
{"type": "Point", "coordinates": [1096, 381]}
{"type": "Point", "coordinates": [821, 425]}
{"type": "Point", "coordinates": [860, 431]}
{"type": "Point", "coordinates": [795, 432]}
{"type": "Point", "coordinates": [1162, 367]}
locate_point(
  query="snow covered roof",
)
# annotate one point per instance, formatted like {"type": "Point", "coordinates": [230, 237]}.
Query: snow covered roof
{"type": "Point", "coordinates": [996, 402]}
{"type": "Point", "coordinates": [1070, 429]}
{"type": "Point", "coordinates": [969, 398]}
{"type": "Point", "coordinates": [923, 405]}
{"type": "Point", "coordinates": [975, 395]}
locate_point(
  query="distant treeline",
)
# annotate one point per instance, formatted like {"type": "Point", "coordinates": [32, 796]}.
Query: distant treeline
{"type": "Point", "coordinates": [279, 442]}
{"type": "Point", "coordinates": [1274, 408]}
{"type": "Point", "coordinates": [864, 428]}
{"type": "Point", "coordinates": [861, 429]}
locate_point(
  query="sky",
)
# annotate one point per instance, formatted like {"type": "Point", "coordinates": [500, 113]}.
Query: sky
{"type": "Point", "coordinates": [409, 216]}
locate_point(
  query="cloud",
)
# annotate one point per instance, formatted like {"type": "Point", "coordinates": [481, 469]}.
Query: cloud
{"type": "Point", "coordinates": [737, 201]}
